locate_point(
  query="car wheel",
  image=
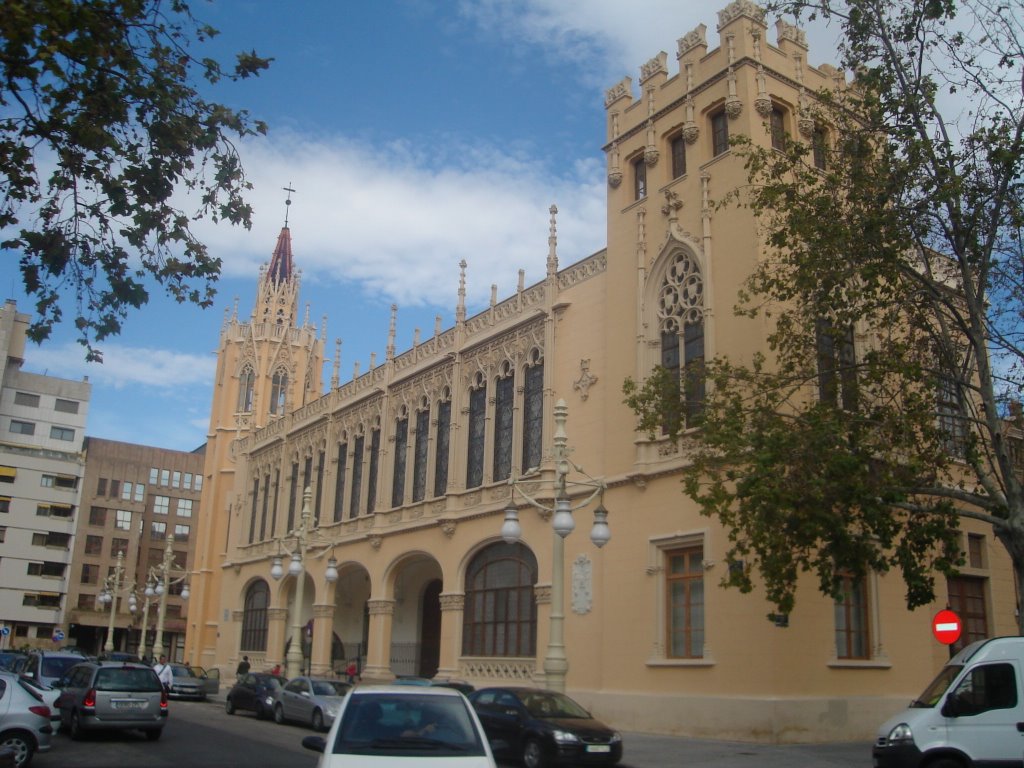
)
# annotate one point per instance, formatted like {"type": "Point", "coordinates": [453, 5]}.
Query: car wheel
{"type": "Point", "coordinates": [318, 720]}
{"type": "Point", "coordinates": [229, 707]}
{"type": "Point", "coordinates": [533, 754]}
{"type": "Point", "coordinates": [154, 734]}
{"type": "Point", "coordinates": [21, 745]}
{"type": "Point", "coordinates": [77, 733]}
{"type": "Point", "coordinates": [278, 714]}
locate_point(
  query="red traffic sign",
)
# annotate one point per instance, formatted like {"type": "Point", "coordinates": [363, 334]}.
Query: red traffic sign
{"type": "Point", "coordinates": [946, 626]}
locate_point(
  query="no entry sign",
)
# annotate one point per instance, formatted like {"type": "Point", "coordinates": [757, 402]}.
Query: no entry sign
{"type": "Point", "coordinates": [946, 627]}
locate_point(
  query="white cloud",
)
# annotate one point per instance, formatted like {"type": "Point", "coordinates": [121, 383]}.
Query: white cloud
{"type": "Point", "coordinates": [125, 366]}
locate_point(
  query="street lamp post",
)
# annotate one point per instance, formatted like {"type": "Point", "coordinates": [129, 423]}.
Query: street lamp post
{"type": "Point", "coordinates": [148, 594]}
{"type": "Point", "coordinates": [111, 586]}
{"type": "Point", "coordinates": [296, 568]}
{"type": "Point", "coordinates": [162, 582]}
{"type": "Point", "coordinates": [556, 662]}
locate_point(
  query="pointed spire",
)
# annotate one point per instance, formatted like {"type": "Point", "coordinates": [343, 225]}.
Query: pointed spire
{"type": "Point", "coordinates": [335, 380]}
{"type": "Point", "coordinates": [280, 268]}
{"type": "Point", "coordinates": [460, 309]}
{"type": "Point", "coordinates": [390, 352]}
{"type": "Point", "coordinates": [553, 242]}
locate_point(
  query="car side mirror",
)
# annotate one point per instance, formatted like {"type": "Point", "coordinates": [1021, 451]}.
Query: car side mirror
{"type": "Point", "coordinates": [315, 743]}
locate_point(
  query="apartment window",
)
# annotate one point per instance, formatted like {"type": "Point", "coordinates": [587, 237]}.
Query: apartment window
{"type": "Point", "coordinates": [154, 475]}
{"type": "Point", "coordinates": [25, 398]}
{"type": "Point", "coordinates": [254, 617]}
{"type": "Point", "coordinates": [62, 433]}
{"type": "Point", "coordinates": [101, 486]}
{"type": "Point", "coordinates": [94, 545]}
{"type": "Point", "coordinates": [55, 510]}
{"type": "Point", "coordinates": [837, 372]}
{"type": "Point", "coordinates": [161, 505]}
{"type": "Point", "coordinates": [86, 602]}
{"type": "Point", "coordinates": [639, 178]}
{"type": "Point", "coordinates": [7, 474]}
{"type": "Point", "coordinates": [967, 598]}
{"type": "Point", "coordinates": [165, 477]}
{"type": "Point", "coordinates": [477, 427]}
{"type": "Point", "coordinates": [976, 550]}
{"type": "Point", "coordinates": [3, 534]}
{"type": "Point", "coordinates": [684, 589]}
{"type": "Point", "coordinates": [677, 148]}
{"type": "Point", "coordinates": [181, 532]}
{"type": "Point", "coordinates": [55, 570]}
{"type": "Point", "coordinates": [185, 507]}
{"type": "Point", "coordinates": [199, 482]}
{"type": "Point", "coordinates": [176, 480]}
{"type": "Point", "coordinates": [22, 427]}
{"type": "Point", "coordinates": [819, 148]}
{"type": "Point", "coordinates": [115, 488]}
{"type": "Point", "coordinates": [500, 609]}
{"type": "Point", "coordinates": [186, 481]}
{"type": "Point", "coordinates": [950, 414]}
{"type": "Point", "coordinates": [97, 516]}
{"type": "Point", "coordinates": [42, 600]}
{"type": "Point", "coordinates": [158, 530]}
{"type": "Point", "coordinates": [5, 504]}
{"type": "Point", "coordinates": [851, 620]}
{"type": "Point", "coordinates": [123, 520]}
{"type": "Point", "coordinates": [140, 492]}
{"type": "Point", "coordinates": [66, 406]}
{"type": "Point", "coordinates": [777, 126]}
{"type": "Point", "coordinates": [51, 539]}
{"type": "Point", "coordinates": [118, 546]}
{"type": "Point", "coordinates": [126, 492]}
{"type": "Point", "coordinates": [719, 133]}
{"type": "Point", "coordinates": [90, 573]}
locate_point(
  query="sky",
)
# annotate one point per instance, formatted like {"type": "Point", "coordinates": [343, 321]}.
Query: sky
{"type": "Point", "coordinates": [416, 134]}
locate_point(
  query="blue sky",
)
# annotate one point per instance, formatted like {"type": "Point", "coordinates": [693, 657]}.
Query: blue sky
{"type": "Point", "coordinates": [416, 134]}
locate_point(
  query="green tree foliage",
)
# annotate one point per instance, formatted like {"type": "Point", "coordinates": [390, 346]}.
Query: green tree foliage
{"type": "Point", "coordinates": [892, 278]}
{"type": "Point", "coordinates": [102, 127]}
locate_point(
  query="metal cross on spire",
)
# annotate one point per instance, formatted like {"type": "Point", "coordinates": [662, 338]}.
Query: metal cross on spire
{"type": "Point", "coordinates": [287, 202]}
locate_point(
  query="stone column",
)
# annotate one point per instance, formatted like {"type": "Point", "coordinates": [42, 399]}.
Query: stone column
{"type": "Point", "coordinates": [277, 628]}
{"type": "Point", "coordinates": [378, 651]}
{"type": "Point", "coordinates": [452, 611]}
{"type": "Point", "coordinates": [323, 633]}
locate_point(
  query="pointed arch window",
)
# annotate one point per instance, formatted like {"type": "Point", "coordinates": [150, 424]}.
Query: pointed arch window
{"type": "Point", "coordinates": [357, 476]}
{"type": "Point", "coordinates": [444, 424]}
{"type": "Point", "coordinates": [477, 428]}
{"type": "Point", "coordinates": [278, 392]}
{"type": "Point", "coordinates": [504, 401]}
{"type": "Point", "coordinates": [419, 463]}
{"type": "Point", "coordinates": [254, 617]}
{"type": "Point", "coordinates": [401, 449]}
{"type": "Point", "coordinates": [533, 412]}
{"type": "Point", "coordinates": [681, 322]}
{"type": "Point", "coordinates": [246, 382]}
{"type": "Point", "coordinates": [501, 613]}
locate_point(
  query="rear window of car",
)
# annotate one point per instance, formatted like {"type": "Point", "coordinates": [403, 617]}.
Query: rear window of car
{"type": "Point", "coordinates": [329, 688]}
{"type": "Point", "coordinates": [144, 680]}
{"type": "Point", "coordinates": [56, 667]}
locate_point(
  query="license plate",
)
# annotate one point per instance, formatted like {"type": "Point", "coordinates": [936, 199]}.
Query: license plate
{"type": "Point", "coordinates": [598, 748]}
{"type": "Point", "coordinates": [129, 705]}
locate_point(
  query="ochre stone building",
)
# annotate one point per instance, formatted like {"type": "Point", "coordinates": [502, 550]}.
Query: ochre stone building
{"type": "Point", "coordinates": [409, 464]}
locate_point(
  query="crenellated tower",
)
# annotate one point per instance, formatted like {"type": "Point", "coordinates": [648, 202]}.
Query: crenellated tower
{"type": "Point", "coordinates": [268, 366]}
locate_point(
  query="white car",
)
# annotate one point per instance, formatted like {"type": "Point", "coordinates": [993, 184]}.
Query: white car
{"type": "Point", "coordinates": [406, 727]}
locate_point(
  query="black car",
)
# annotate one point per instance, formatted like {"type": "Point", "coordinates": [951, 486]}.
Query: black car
{"type": "Point", "coordinates": [254, 692]}
{"type": "Point", "coordinates": [543, 727]}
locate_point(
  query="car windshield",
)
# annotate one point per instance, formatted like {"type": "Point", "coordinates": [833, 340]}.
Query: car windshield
{"type": "Point", "coordinates": [182, 672]}
{"type": "Point", "coordinates": [933, 693]}
{"type": "Point", "coordinates": [127, 679]}
{"type": "Point", "coordinates": [328, 688]}
{"type": "Point", "coordinates": [406, 725]}
{"type": "Point", "coordinates": [551, 704]}
{"type": "Point", "coordinates": [56, 667]}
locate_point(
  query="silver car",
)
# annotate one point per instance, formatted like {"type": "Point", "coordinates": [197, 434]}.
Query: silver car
{"type": "Point", "coordinates": [24, 720]}
{"type": "Point", "coordinates": [186, 684]}
{"type": "Point", "coordinates": [310, 700]}
{"type": "Point", "coordinates": [112, 696]}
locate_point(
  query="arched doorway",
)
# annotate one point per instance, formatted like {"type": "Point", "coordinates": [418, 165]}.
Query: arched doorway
{"type": "Point", "coordinates": [430, 629]}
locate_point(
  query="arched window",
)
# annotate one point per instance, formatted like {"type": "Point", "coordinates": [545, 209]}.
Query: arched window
{"type": "Point", "coordinates": [501, 613]}
{"type": "Point", "coordinates": [477, 426]}
{"type": "Point", "coordinates": [681, 323]}
{"type": "Point", "coordinates": [254, 617]}
{"type": "Point", "coordinates": [245, 386]}
{"type": "Point", "coordinates": [533, 412]}
{"type": "Point", "coordinates": [278, 392]}
{"type": "Point", "coordinates": [504, 404]}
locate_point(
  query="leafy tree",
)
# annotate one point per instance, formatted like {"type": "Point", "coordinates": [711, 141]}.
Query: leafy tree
{"type": "Point", "coordinates": [102, 126]}
{"type": "Point", "coordinates": [893, 278]}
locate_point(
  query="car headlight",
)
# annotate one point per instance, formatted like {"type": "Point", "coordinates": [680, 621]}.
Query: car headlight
{"type": "Point", "coordinates": [269, 701]}
{"type": "Point", "coordinates": [616, 737]}
{"type": "Point", "coordinates": [332, 710]}
{"type": "Point", "coordinates": [901, 734]}
{"type": "Point", "coordinates": [564, 737]}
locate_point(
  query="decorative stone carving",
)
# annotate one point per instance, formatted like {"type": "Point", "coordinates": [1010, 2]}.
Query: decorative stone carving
{"type": "Point", "coordinates": [585, 381]}
{"type": "Point", "coordinates": [448, 526]}
{"type": "Point", "coordinates": [654, 66]}
{"type": "Point", "coordinates": [614, 178]}
{"type": "Point", "coordinates": [542, 594]}
{"type": "Point", "coordinates": [453, 602]}
{"type": "Point", "coordinates": [738, 9]}
{"type": "Point", "coordinates": [695, 38]}
{"type": "Point", "coordinates": [791, 32]}
{"type": "Point", "coordinates": [672, 202]}
{"type": "Point", "coordinates": [375, 540]}
{"type": "Point", "coordinates": [380, 607]}
{"type": "Point", "coordinates": [806, 126]}
{"type": "Point", "coordinates": [733, 107]}
{"type": "Point", "coordinates": [582, 597]}
{"type": "Point", "coordinates": [651, 156]}
{"type": "Point", "coordinates": [618, 91]}
{"type": "Point", "coordinates": [690, 132]}
{"type": "Point", "coordinates": [763, 105]}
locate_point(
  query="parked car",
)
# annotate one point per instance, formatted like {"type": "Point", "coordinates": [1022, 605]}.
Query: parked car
{"type": "Point", "coordinates": [9, 659]}
{"type": "Point", "coordinates": [254, 692]}
{"type": "Point", "coordinates": [310, 700]}
{"type": "Point", "coordinates": [186, 683]}
{"type": "Point", "coordinates": [46, 667]}
{"type": "Point", "coordinates": [109, 695]}
{"type": "Point", "coordinates": [210, 678]}
{"type": "Point", "coordinates": [406, 726]}
{"type": "Point", "coordinates": [542, 727]}
{"type": "Point", "coordinates": [25, 726]}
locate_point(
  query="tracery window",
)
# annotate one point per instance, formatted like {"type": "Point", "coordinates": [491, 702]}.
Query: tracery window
{"type": "Point", "coordinates": [401, 446]}
{"type": "Point", "coordinates": [444, 423]}
{"type": "Point", "coordinates": [266, 504]}
{"type": "Point", "coordinates": [255, 506]}
{"type": "Point", "coordinates": [681, 313]}
{"type": "Point", "coordinates": [254, 617]}
{"type": "Point", "coordinates": [245, 387]}
{"type": "Point", "coordinates": [357, 475]}
{"type": "Point", "coordinates": [278, 393]}
{"type": "Point", "coordinates": [371, 490]}
{"type": "Point", "coordinates": [677, 147]}
{"type": "Point", "coordinates": [501, 613]}
{"type": "Point", "coordinates": [339, 486]}
{"type": "Point", "coordinates": [533, 413]}
{"type": "Point", "coordinates": [504, 402]}
{"type": "Point", "coordinates": [419, 465]}
{"type": "Point", "coordinates": [477, 424]}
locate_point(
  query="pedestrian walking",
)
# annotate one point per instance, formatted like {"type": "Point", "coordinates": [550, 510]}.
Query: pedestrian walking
{"type": "Point", "coordinates": [243, 667]}
{"type": "Point", "coordinates": [163, 671]}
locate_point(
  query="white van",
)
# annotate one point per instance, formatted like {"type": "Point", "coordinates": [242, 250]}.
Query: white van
{"type": "Point", "coordinates": [972, 714]}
